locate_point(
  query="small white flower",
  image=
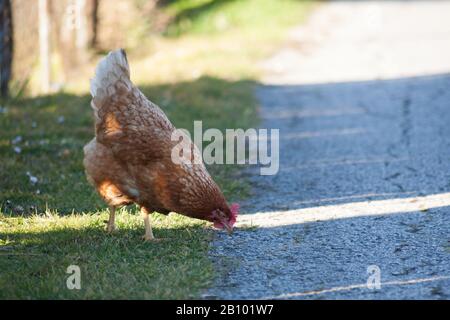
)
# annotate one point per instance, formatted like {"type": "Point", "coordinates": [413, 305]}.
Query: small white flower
{"type": "Point", "coordinates": [16, 140]}
{"type": "Point", "coordinates": [33, 179]}
{"type": "Point", "coordinates": [61, 119]}
{"type": "Point", "coordinates": [17, 149]}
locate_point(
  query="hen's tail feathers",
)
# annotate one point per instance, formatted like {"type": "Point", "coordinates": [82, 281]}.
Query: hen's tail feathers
{"type": "Point", "coordinates": [112, 68]}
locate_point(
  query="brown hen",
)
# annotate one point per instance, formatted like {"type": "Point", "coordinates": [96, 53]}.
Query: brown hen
{"type": "Point", "coordinates": [129, 160]}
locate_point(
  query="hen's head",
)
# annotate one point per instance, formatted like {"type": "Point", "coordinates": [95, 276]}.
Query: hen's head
{"type": "Point", "coordinates": [225, 218]}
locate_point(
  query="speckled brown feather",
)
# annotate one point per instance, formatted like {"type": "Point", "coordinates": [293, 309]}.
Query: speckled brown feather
{"type": "Point", "coordinates": [130, 158]}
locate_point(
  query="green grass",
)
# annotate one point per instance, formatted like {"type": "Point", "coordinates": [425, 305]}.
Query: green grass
{"type": "Point", "coordinates": [36, 252]}
{"type": "Point", "coordinates": [46, 226]}
{"type": "Point", "coordinates": [260, 18]}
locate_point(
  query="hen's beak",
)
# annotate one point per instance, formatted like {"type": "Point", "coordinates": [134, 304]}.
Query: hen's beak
{"type": "Point", "coordinates": [227, 227]}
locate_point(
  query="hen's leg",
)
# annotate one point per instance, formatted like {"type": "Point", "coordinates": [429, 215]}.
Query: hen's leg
{"type": "Point", "coordinates": [111, 225]}
{"type": "Point", "coordinates": [148, 236]}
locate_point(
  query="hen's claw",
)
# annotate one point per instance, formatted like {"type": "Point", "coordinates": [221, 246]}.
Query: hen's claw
{"type": "Point", "coordinates": [111, 228]}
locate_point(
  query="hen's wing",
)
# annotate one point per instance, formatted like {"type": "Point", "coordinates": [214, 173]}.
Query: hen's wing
{"type": "Point", "coordinates": [135, 129]}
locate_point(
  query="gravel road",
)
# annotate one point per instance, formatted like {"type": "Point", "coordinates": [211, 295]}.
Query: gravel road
{"type": "Point", "coordinates": [361, 95]}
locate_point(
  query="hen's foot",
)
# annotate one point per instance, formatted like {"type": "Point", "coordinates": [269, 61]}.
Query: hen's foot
{"type": "Point", "coordinates": [111, 223]}
{"type": "Point", "coordinates": [110, 228]}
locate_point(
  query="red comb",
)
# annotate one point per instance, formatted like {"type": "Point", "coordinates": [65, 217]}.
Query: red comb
{"type": "Point", "coordinates": [234, 208]}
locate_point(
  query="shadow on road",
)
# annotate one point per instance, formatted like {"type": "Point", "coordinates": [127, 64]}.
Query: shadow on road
{"type": "Point", "coordinates": [355, 141]}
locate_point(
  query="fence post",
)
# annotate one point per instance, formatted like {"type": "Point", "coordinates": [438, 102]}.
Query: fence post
{"type": "Point", "coordinates": [6, 46]}
{"type": "Point", "coordinates": [44, 45]}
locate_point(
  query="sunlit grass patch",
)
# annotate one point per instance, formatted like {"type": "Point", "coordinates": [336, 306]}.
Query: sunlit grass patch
{"type": "Point", "coordinates": [35, 253]}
